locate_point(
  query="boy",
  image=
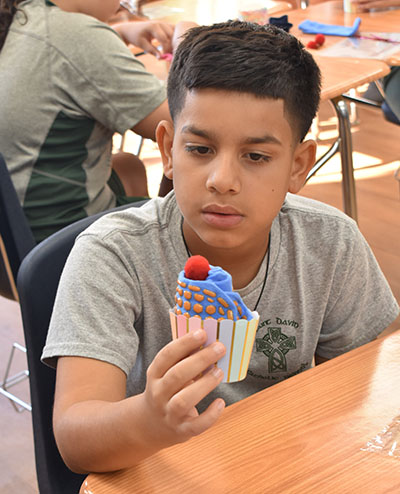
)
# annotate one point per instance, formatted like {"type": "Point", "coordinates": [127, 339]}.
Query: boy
{"type": "Point", "coordinates": [242, 98]}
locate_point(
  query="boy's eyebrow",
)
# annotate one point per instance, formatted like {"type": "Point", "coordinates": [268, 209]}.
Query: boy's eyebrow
{"type": "Point", "coordinates": [191, 129]}
{"type": "Point", "coordinates": [267, 139]}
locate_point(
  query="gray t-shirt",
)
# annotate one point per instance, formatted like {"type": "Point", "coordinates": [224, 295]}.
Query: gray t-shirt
{"type": "Point", "coordinates": [67, 84]}
{"type": "Point", "coordinates": [324, 293]}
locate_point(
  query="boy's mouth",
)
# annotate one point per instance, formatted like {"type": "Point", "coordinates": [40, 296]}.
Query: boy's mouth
{"type": "Point", "coordinates": [221, 216]}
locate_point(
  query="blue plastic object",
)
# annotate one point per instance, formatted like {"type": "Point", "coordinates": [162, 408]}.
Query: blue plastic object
{"type": "Point", "coordinates": [312, 27]}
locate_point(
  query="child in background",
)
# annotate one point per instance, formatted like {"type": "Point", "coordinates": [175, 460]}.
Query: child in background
{"type": "Point", "coordinates": [68, 83]}
{"type": "Point", "coordinates": [242, 98]}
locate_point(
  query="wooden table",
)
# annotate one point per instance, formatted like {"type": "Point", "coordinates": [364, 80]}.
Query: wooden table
{"type": "Point", "coordinates": [206, 11]}
{"type": "Point", "coordinates": [332, 13]}
{"type": "Point", "coordinates": [307, 434]}
{"type": "Point", "coordinates": [339, 74]}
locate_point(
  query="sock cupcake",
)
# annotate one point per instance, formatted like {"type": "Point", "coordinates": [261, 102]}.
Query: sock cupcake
{"type": "Point", "coordinates": [205, 299]}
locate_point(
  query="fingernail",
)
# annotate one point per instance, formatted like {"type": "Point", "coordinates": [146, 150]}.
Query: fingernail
{"type": "Point", "coordinates": [220, 404]}
{"type": "Point", "coordinates": [198, 334]}
{"type": "Point", "coordinates": [218, 373]}
{"type": "Point", "coordinates": [218, 348]}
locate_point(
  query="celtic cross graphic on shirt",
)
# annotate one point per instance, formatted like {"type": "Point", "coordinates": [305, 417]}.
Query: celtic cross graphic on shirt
{"type": "Point", "coordinates": [275, 345]}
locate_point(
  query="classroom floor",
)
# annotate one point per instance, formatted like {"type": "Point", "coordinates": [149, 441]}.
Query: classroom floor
{"type": "Point", "coordinates": [376, 154]}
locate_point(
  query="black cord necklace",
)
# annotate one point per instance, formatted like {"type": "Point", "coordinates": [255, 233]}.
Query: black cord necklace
{"type": "Point", "coordinates": [266, 272]}
{"type": "Point", "coordinates": [266, 269]}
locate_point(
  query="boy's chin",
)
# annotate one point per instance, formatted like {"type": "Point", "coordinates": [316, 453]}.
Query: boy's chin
{"type": "Point", "coordinates": [222, 241]}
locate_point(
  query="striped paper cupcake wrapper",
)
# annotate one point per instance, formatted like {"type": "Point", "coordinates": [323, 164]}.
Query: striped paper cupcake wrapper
{"type": "Point", "coordinates": [237, 336]}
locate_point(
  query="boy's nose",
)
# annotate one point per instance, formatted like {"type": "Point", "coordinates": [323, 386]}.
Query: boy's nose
{"type": "Point", "coordinates": [223, 175]}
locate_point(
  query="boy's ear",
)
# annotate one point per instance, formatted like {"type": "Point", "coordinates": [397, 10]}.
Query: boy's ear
{"type": "Point", "coordinates": [303, 160]}
{"type": "Point", "coordinates": [165, 139]}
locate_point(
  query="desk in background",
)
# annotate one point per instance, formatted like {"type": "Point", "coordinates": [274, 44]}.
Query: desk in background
{"type": "Point", "coordinates": [339, 74]}
{"type": "Point", "coordinates": [307, 434]}
{"type": "Point", "coordinates": [331, 12]}
{"type": "Point", "coordinates": [207, 11]}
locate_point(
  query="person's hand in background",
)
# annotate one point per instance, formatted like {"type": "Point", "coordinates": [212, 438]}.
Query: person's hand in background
{"type": "Point", "coordinates": [366, 5]}
{"type": "Point", "coordinates": [180, 29]}
{"type": "Point", "coordinates": [147, 34]}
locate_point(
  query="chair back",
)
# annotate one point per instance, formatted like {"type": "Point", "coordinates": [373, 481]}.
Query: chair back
{"type": "Point", "coordinates": [16, 238]}
{"type": "Point", "coordinates": [37, 284]}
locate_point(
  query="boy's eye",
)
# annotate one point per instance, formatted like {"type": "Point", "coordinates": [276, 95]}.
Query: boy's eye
{"type": "Point", "coordinates": [197, 149]}
{"type": "Point", "coordinates": [258, 157]}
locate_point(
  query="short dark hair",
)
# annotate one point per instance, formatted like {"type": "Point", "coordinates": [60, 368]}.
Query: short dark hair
{"type": "Point", "coordinates": [241, 56]}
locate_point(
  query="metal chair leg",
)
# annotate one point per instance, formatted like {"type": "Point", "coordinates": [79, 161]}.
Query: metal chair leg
{"type": "Point", "coordinates": [354, 118]}
{"type": "Point", "coordinates": [10, 381]}
{"type": "Point", "coordinates": [346, 155]}
{"type": "Point", "coordinates": [139, 148]}
{"type": "Point", "coordinates": [122, 143]}
{"type": "Point", "coordinates": [343, 144]}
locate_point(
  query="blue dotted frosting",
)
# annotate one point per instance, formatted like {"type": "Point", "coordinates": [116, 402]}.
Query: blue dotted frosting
{"type": "Point", "coordinates": [213, 297]}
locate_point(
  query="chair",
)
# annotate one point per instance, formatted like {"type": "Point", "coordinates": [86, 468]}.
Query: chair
{"type": "Point", "coordinates": [37, 283]}
{"type": "Point", "coordinates": [16, 240]}
{"type": "Point", "coordinates": [375, 96]}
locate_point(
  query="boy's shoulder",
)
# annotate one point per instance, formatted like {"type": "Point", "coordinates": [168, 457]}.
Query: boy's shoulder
{"type": "Point", "coordinates": [309, 222]}
{"type": "Point", "coordinates": [154, 217]}
{"type": "Point", "coordinates": [78, 25]}
{"type": "Point", "coordinates": [48, 19]}
{"type": "Point", "coordinates": [312, 212]}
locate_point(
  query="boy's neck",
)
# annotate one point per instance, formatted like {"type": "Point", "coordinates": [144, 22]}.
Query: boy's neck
{"type": "Point", "coordinates": [68, 6]}
{"type": "Point", "coordinates": [241, 263]}
{"type": "Point", "coordinates": [242, 271]}
{"type": "Point", "coordinates": [80, 7]}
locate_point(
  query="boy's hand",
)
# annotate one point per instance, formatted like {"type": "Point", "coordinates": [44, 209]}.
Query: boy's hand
{"type": "Point", "coordinates": [177, 380]}
{"type": "Point", "coordinates": [98, 430]}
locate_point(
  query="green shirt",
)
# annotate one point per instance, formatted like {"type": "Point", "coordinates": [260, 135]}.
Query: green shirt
{"type": "Point", "coordinates": [67, 84]}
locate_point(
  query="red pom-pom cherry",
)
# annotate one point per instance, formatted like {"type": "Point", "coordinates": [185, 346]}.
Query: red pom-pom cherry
{"type": "Point", "coordinates": [320, 39]}
{"type": "Point", "coordinates": [312, 44]}
{"type": "Point", "coordinates": [197, 268]}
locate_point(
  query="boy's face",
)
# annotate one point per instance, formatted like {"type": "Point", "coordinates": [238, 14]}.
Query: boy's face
{"type": "Point", "coordinates": [232, 157]}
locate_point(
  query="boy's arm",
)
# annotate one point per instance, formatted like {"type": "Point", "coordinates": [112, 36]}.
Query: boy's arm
{"type": "Point", "coordinates": [143, 33]}
{"type": "Point", "coordinates": [98, 429]}
{"type": "Point", "coordinates": [320, 360]}
{"type": "Point", "coordinates": [147, 126]}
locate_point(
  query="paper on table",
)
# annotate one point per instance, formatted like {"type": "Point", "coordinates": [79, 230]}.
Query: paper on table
{"type": "Point", "coordinates": [387, 442]}
{"type": "Point", "coordinates": [365, 48]}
